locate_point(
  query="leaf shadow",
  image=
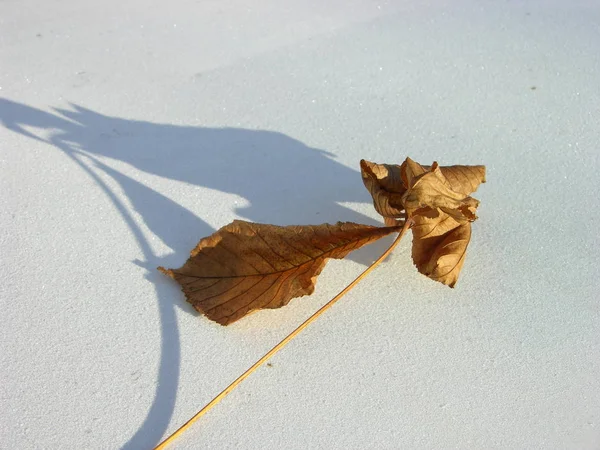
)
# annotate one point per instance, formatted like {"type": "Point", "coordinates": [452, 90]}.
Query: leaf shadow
{"type": "Point", "coordinates": [282, 180]}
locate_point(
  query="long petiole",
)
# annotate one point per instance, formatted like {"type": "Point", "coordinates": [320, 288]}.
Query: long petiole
{"type": "Point", "coordinates": [283, 342]}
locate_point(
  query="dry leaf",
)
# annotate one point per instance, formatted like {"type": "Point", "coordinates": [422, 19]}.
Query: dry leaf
{"type": "Point", "coordinates": [439, 246]}
{"type": "Point", "coordinates": [437, 200]}
{"type": "Point", "coordinates": [385, 184]}
{"type": "Point", "coordinates": [246, 266]}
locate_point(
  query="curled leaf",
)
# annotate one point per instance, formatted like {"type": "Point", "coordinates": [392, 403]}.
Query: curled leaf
{"type": "Point", "coordinates": [437, 200]}
{"type": "Point", "coordinates": [246, 266]}
{"type": "Point", "coordinates": [430, 189]}
{"type": "Point", "coordinates": [461, 179]}
{"type": "Point", "coordinates": [385, 185]}
{"type": "Point", "coordinates": [439, 246]}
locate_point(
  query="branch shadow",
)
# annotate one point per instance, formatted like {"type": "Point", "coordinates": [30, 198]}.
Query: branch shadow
{"type": "Point", "coordinates": [282, 180]}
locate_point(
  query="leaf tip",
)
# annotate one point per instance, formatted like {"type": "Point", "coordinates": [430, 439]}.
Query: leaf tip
{"type": "Point", "coordinates": [167, 272]}
{"type": "Point", "coordinates": [365, 167]}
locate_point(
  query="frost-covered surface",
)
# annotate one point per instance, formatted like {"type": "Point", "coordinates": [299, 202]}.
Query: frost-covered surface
{"type": "Point", "coordinates": [132, 129]}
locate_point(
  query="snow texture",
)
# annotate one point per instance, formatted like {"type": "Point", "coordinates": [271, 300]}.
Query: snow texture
{"type": "Point", "coordinates": [129, 130]}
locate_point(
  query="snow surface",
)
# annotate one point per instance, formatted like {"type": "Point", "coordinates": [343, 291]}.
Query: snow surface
{"type": "Point", "coordinates": [131, 129]}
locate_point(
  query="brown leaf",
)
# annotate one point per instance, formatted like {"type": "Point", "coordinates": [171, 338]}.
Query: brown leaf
{"type": "Point", "coordinates": [439, 246]}
{"type": "Point", "coordinates": [437, 200]}
{"type": "Point", "coordinates": [461, 179]}
{"type": "Point", "coordinates": [448, 257]}
{"type": "Point", "coordinates": [464, 179]}
{"type": "Point", "coordinates": [246, 266]}
{"type": "Point", "coordinates": [385, 185]}
{"type": "Point", "coordinates": [431, 189]}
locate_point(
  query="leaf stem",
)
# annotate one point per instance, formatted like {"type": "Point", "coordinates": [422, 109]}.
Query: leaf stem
{"type": "Point", "coordinates": [283, 342]}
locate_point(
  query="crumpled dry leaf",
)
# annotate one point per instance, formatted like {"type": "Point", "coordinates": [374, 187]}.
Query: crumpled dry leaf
{"type": "Point", "coordinates": [385, 184]}
{"type": "Point", "coordinates": [247, 266]}
{"type": "Point", "coordinates": [437, 200]}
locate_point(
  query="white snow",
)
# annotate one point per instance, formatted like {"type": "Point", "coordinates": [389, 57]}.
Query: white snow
{"type": "Point", "coordinates": [129, 130]}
